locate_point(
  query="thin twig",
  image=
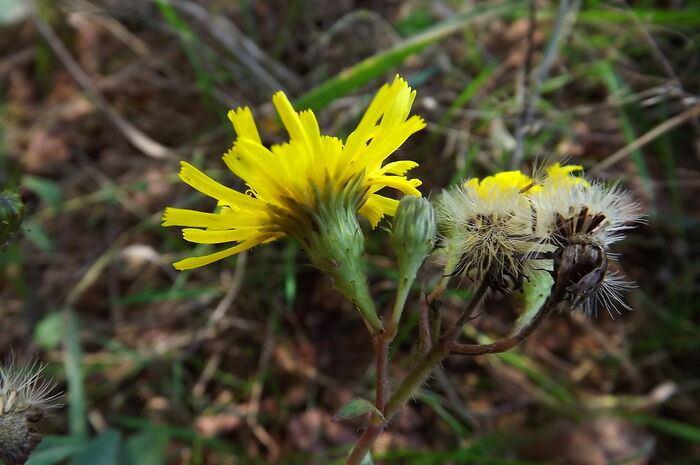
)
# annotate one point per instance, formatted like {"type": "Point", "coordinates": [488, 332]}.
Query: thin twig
{"type": "Point", "coordinates": [244, 49]}
{"type": "Point", "coordinates": [659, 56]}
{"type": "Point", "coordinates": [550, 54]}
{"type": "Point", "coordinates": [525, 114]}
{"type": "Point", "coordinates": [16, 60]}
{"type": "Point", "coordinates": [256, 390]}
{"type": "Point", "coordinates": [139, 139]}
{"type": "Point", "coordinates": [456, 329]}
{"type": "Point", "coordinates": [667, 125]}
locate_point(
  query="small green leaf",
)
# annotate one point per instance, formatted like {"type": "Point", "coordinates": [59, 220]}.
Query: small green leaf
{"type": "Point", "coordinates": [147, 447]}
{"type": "Point", "coordinates": [55, 449]}
{"type": "Point", "coordinates": [367, 459]}
{"type": "Point", "coordinates": [102, 450]}
{"type": "Point", "coordinates": [38, 236]}
{"type": "Point", "coordinates": [357, 407]}
{"type": "Point", "coordinates": [49, 191]}
{"type": "Point", "coordinates": [535, 291]}
{"type": "Point", "coordinates": [48, 334]}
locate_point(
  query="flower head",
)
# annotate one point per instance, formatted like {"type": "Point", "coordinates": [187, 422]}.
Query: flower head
{"type": "Point", "coordinates": [487, 228]}
{"type": "Point", "coordinates": [287, 182]}
{"type": "Point", "coordinates": [502, 227]}
{"type": "Point", "coordinates": [24, 397]}
{"type": "Point", "coordinates": [580, 220]}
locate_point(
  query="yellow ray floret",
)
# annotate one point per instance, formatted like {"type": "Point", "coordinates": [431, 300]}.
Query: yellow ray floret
{"type": "Point", "coordinates": [285, 177]}
{"type": "Point", "coordinates": [505, 182]}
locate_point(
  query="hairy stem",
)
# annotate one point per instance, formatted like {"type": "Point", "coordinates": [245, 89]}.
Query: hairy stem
{"type": "Point", "coordinates": [381, 350]}
{"type": "Point", "coordinates": [414, 380]}
{"type": "Point", "coordinates": [425, 338]}
{"type": "Point", "coordinates": [508, 343]}
{"type": "Point", "coordinates": [399, 304]}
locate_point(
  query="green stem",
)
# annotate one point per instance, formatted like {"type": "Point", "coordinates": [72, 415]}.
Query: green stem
{"type": "Point", "coordinates": [420, 372]}
{"type": "Point", "coordinates": [399, 304]}
{"type": "Point", "coordinates": [365, 305]}
{"type": "Point", "coordinates": [414, 380]}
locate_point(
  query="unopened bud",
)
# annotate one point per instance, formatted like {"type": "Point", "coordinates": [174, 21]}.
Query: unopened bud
{"type": "Point", "coordinates": [413, 234]}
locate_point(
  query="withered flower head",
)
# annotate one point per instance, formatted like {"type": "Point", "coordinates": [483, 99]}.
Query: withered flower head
{"type": "Point", "coordinates": [24, 398]}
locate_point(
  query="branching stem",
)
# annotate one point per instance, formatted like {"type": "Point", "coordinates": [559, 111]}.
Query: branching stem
{"type": "Point", "coordinates": [434, 356]}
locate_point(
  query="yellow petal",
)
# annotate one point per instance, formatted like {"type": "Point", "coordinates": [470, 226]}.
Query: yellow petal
{"type": "Point", "coordinates": [398, 167]}
{"type": "Point", "coordinates": [289, 117]}
{"type": "Point", "coordinates": [183, 217]}
{"type": "Point", "coordinates": [244, 124]}
{"type": "Point", "coordinates": [407, 186]}
{"type": "Point", "coordinates": [384, 144]}
{"type": "Point", "coordinates": [196, 262]}
{"type": "Point", "coordinates": [376, 207]}
{"type": "Point", "coordinates": [206, 185]}
{"type": "Point", "coordinates": [202, 236]}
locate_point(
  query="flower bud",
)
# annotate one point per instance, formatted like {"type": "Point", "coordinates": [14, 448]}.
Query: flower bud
{"type": "Point", "coordinates": [11, 216]}
{"type": "Point", "coordinates": [413, 234]}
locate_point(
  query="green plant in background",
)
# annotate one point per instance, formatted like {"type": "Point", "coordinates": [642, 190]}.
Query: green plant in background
{"type": "Point", "coordinates": [498, 233]}
{"type": "Point", "coordinates": [11, 216]}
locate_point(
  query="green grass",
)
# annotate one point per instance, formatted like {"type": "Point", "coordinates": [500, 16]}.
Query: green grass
{"type": "Point", "coordinates": [593, 67]}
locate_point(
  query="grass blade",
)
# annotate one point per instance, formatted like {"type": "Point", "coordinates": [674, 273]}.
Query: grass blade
{"type": "Point", "coordinates": [366, 70]}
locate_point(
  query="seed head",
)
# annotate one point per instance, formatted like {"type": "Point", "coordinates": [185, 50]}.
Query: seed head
{"type": "Point", "coordinates": [487, 224]}
{"type": "Point", "coordinates": [580, 220]}
{"type": "Point", "coordinates": [24, 397]}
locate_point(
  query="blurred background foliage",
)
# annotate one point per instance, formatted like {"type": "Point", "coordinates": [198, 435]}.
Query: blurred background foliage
{"type": "Point", "coordinates": [245, 361]}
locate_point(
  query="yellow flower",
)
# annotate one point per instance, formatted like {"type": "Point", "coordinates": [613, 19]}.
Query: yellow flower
{"type": "Point", "coordinates": [287, 181]}
{"type": "Point", "coordinates": [505, 182]}
{"type": "Point", "coordinates": [559, 176]}
{"type": "Point", "coordinates": [487, 224]}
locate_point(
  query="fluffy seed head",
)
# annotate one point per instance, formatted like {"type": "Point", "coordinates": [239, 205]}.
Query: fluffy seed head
{"type": "Point", "coordinates": [581, 219]}
{"type": "Point", "coordinates": [584, 212]}
{"type": "Point", "coordinates": [23, 398]}
{"type": "Point", "coordinates": [502, 227]}
{"type": "Point", "coordinates": [487, 224]}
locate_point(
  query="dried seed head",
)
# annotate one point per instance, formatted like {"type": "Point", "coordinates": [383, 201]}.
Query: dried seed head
{"type": "Point", "coordinates": [581, 219]}
{"type": "Point", "coordinates": [590, 212]}
{"type": "Point", "coordinates": [18, 435]}
{"type": "Point", "coordinates": [24, 397]}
